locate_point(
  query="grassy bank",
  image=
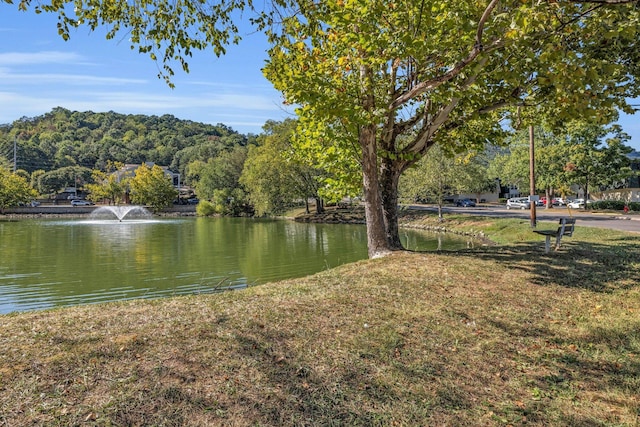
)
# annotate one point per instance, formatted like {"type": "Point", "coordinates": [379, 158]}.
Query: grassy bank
{"type": "Point", "coordinates": [497, 335]}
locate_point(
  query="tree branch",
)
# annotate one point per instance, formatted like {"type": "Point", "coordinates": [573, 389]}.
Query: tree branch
{"type": "Point", "coordinates": [457, 68]}
{"type": "Point", "coordinates": [429, 129]}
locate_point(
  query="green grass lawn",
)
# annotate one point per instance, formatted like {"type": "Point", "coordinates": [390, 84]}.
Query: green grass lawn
{"type": "Point", "coordinates": [499, 334]}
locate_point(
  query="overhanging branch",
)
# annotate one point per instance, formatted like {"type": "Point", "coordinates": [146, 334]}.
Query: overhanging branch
{"type": "Point", "coordinates": [477, 49]}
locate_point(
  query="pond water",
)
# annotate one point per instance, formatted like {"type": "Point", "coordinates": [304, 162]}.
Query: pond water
{"type": "Point", "coordinates": [62, 262]}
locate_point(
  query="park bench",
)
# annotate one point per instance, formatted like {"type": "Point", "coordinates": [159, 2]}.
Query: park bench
{"type": "Point", "coordinates": [565, 229]}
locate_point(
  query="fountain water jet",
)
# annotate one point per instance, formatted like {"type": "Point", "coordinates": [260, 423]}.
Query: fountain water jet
{"type": "Point", "coordinates": [121, 212]}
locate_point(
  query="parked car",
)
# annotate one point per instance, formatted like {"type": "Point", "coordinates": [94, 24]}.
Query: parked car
{"type": "Point", "coordinates": [558, 201]}
{"type": "Point", "coordinates": [466, 203]}
{"type": "Point", "coordinates": [193, 201]}
{"type": "Point", "coordinates": [518, 203]}
{"type": "Point", "coordinates": [576, 204]}
{"type": "Point", "coordinates": [78, 202]}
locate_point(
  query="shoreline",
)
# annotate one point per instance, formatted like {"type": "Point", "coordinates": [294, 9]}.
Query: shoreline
{"type": "Point", "coordinates": [66, 211]}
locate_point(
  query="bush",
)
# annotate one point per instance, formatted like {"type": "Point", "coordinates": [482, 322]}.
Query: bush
{"type": "Point", "coordinates": [205, 208]}
{"type": "Point", "coordinates": [616, 205]}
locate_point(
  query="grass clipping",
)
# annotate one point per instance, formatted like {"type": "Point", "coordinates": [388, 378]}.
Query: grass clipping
{"type": "Point", "coordinates": [491, 336]}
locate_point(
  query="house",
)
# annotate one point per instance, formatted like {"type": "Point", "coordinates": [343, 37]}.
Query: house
{"type": "Point", "coordinates": [508, 191]}
{"type": "Point", "coordinates": [129, 171]}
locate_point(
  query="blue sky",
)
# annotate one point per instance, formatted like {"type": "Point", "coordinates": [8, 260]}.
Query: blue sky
{"type": "Point", "coordinates": [40, 71]}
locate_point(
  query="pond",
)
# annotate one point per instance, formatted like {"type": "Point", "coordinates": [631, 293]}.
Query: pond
{"type": "Point", "coordinates": [61, 262]}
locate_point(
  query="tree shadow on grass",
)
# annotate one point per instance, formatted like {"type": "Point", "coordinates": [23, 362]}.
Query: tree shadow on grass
{"type": "Point", "coordinates": [349, 391]}
{"type": "Point", "coordinates": [301, 395]}
{"type": "Point", "coordinates": [574, 366]}
{"type": "Point", "coordinates": [598, 267]}
{"type": "Point", "coordinates": [564, 362]}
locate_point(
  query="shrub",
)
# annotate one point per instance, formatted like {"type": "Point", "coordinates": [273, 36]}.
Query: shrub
{"type": "Point", "coordinates": [205, 208]}
{"type": "Point", "coordinates": [616, 205]}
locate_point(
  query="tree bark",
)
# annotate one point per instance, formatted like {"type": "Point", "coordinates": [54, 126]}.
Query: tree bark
{"type": "Point", "coordinates": [586, 191]}
{"type": "Point", "coordinates": [389, 179]}
{"type": "Point", "coordinates": [549, 201]}
{"type": "Point", "coordinates": [377, 242]}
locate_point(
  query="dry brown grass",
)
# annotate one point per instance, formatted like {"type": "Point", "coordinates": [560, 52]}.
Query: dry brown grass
{"type": "Point", "coordinates": [503, 335]}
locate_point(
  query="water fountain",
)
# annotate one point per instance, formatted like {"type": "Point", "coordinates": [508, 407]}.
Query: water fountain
{"type": "Point", "coordinates": [120, 213]}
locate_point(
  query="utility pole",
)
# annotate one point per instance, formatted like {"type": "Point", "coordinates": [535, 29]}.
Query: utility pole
{"type": "Point", "coordinates": [15, 154]}
{"type": "Point", "coordinates": [532, 178]}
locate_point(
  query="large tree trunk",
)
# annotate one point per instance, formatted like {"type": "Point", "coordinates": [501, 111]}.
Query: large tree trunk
{"type": "Point", "coordinates": [377, 241]}
{"type": "Point", "coordinates": [586, 191]}
{"type": "Point", "coordinates": [549, 203]}
{"type": "Point", "coordinates": [389, 179]}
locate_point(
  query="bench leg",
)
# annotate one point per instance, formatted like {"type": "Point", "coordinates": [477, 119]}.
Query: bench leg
{"type": "Point", "coordinates": [558, 241]}
{"type": "Point", "coordinates": [547, 244]}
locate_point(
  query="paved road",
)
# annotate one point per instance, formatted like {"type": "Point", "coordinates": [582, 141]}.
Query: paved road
{"type": "Point", "coordinates": [586, 219]}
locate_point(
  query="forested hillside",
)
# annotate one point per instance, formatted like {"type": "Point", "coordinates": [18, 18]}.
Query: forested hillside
{"type": "Point", "coordinates": [69, 151]}
{"type": "Point", "coordinates": [63, 138]}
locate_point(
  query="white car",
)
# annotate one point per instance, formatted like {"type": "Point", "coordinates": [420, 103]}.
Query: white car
{"type": "Point", "coordinates": [576, 204]}
{"type": "Point", "coordinates": [81, 203]}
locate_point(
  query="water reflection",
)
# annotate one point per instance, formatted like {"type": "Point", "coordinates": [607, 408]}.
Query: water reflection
{"type": "Point", "coordinates": [47, 263]}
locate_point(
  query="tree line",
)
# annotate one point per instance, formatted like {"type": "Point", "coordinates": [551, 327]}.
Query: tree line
{"type": "Point", "coordinates": [233, 174]}
{"type": "Point", "coordinates": [63, 138]}
{"type": "Point", "coordinates": [267, 174]}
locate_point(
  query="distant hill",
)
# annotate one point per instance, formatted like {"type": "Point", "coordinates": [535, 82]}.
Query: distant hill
{"type": "Point", "coordinates": [67, 138]}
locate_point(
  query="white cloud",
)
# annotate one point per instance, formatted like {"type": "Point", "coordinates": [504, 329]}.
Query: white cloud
{"type": "Point", "coordinates": [44, 57]}
{"type": "Point", "coordinates": [243, 110]}
{"type": "Point", "coordinates": [9, 78]}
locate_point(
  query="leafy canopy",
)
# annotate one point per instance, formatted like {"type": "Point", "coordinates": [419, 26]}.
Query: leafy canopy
{"type": "Point", "coordinates": [438, 62]}
{"type": "Point", "coordinates": [152, 187]}
{"type": "Point", "coordinates": [400, 77]}
{"type": "Point", "coordinates": [106, 186]}
{"type": "Point", "coordinates": [582, 154]}
{"type": "Point", "coordinates": [14, 189]}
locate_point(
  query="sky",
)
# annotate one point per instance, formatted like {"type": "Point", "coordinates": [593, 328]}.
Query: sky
{"type": "Point", "coordinates": [40, 71]}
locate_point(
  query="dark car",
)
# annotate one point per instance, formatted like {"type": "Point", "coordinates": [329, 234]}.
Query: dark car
{"type": "Point", "coordinates": [465, 203]}
{"type": "Point", "coordinates": [193, 201]}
